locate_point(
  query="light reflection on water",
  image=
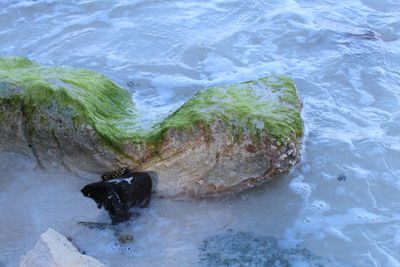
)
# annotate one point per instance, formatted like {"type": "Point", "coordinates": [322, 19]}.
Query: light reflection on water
{"type": "Point", "coordinates": [344, 57]}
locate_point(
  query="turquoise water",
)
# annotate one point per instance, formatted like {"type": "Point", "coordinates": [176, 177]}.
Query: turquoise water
{"type": "Point", "coordinates": [341, 203]}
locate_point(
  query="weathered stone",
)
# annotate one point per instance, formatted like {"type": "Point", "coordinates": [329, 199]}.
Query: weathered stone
{"type": "Point", "coordinates": [54, 250]}
{"type": "Point", "coordinates": [225, 138]}
{"type": "Point", "coordinates": [248, 249]}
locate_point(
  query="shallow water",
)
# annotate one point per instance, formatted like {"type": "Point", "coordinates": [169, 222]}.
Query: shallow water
{"type": "Point", "coordinates": [343, 55]}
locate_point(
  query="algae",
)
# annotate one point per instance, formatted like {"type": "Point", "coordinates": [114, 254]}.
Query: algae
{"type": "Point", "coordinates": [266, 107]}
{"type": "Point", "coordinates": [249, 105]}
{"type": "Point", "coordinates": [96, 100]}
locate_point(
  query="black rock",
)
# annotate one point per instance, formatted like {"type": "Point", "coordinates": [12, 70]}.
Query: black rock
{"type": "Point", "coordinates": [119, 196]}
{"type": "Point", "coordinates": [342, 177]}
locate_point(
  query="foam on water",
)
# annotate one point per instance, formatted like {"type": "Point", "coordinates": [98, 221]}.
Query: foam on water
{"type": "Point", "coordinates": [344, 56]}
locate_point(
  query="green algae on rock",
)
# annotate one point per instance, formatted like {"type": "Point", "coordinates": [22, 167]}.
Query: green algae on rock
{"type": "Point", "coordinates": [96, 99]}
{"type": "Point", "coordinates": [225, 138]}
{"type": "Point", "coordinates": [274, 112]}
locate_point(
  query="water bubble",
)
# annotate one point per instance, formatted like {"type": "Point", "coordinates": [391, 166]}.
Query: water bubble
{"type": "Point", "coordinates": [319, 206]}
{"type": "Point", "coordinates": [366, 99]}
{"type": "Point", "coordinates": [301, 189]}
{"type": "Point", "coordinates": [244, 196]}
{"type": "Point", "coordinates": [363, 216]}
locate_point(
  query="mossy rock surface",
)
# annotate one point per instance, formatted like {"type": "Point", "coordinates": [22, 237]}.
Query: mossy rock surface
{"type": "Point", "coordinates": [50, 107]}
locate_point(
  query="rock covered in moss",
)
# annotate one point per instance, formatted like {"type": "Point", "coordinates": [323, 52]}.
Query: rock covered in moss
{"type": "Point", "coordinates": [62, 116]}
{"type": "Point", "coordinates": [225, 138]}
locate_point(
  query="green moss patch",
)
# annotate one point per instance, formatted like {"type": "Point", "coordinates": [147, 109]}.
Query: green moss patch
{"type": "Point", "coordinates": [268, 106]}
{"type": "Point", "coordinates": [95, 99]}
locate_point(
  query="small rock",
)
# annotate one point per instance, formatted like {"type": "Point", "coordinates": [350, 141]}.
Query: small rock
{"type": "Point", "coordinates": [282, 157]}
{"type": "Point", "coordinates": [342, 177]}
{"type": "Point", "coordinates": [124, 239]}
{"type": "Point", "coordinates": [131, 84]}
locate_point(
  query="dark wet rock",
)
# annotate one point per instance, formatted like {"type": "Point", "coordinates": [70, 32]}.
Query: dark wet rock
{"type": "Point", "coordinates": [119, 196]}
{"type": "Point", "coordinates": [124, 239]}
{"type": "Point", "coordinates": [248, 249]}
{"type": "Point", "coordinates": [342, 177]}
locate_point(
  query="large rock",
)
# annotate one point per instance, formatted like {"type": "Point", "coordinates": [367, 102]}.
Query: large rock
{"type": "Point", "coordinates": [54, 250]}
{"type": "Point", "coordinates": [225, 138]}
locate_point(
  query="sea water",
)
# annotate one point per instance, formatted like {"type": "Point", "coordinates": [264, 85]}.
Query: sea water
{"type": "Point", "coordinates": [339, 207]}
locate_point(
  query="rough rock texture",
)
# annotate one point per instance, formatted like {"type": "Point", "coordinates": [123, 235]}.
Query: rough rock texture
{"type": "Point", "coordinates": [54, 250]}
{"type": "Point", "coordinates": [249, 249]}
{"type": "Point", "coordinates": [225, 138]}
